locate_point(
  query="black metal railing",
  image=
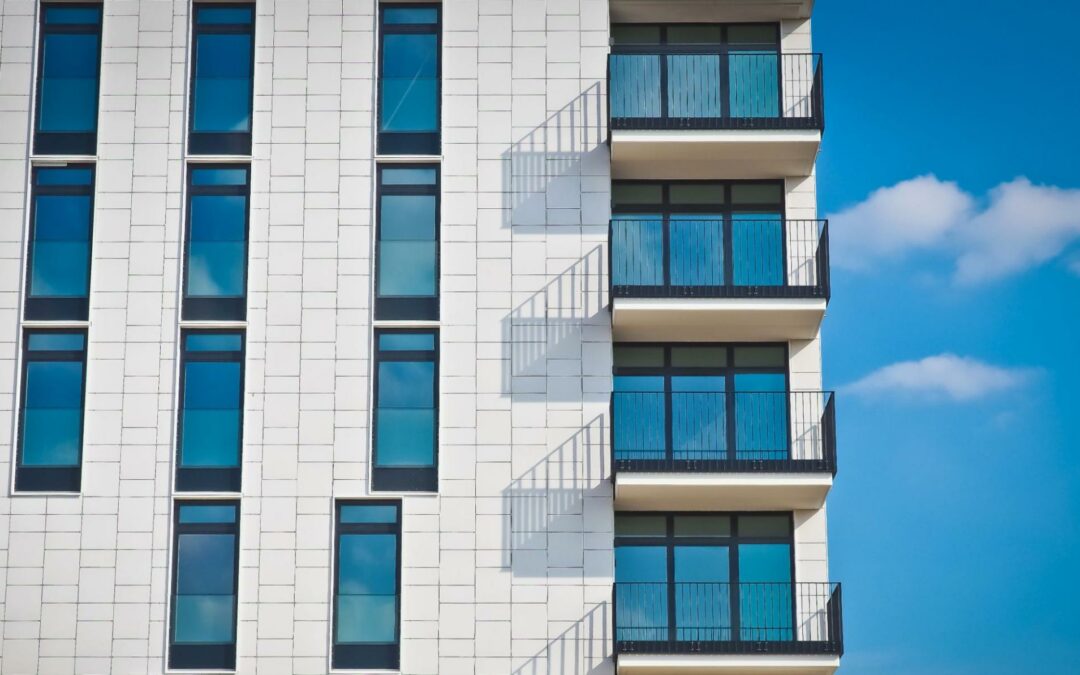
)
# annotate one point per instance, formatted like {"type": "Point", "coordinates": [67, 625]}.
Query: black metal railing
{"type": "Point", "coordinates": [723, 432]}
{"type": "Point", "coordinates": [677, 257]}
{"type": "Point", "coordinates": [702, 87]}
{"type": "Point", "coordinates": [725, 618]}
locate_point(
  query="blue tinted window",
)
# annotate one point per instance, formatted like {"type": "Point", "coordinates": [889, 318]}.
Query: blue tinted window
{"type": "Point", "coordinates": [55, 341]}
{"type": "Point", "coordinates": [211, 413]}
{"type": "Point", "coordinates": [68, 93]}
{"type": "Point", "coordinates": [60, 264]}
{"type": "Point", "coordinates": [208, 513]}
{"type": "Point", "coordinates": [406, 410]}
{"type": "Point", "coordinates": [409, 83]}
{"type": "Point", "coordinates": [410, 176]}
{"type": "Point", "coordinates": [222, 78]}
{"type": "Point", "coordinates": [63, 176]}
{"type": "Point", "coordinates": [369, 514]}
{"type": "Point", "coordinates": [400, 15]}
{"type": "Point", "coordinates": [213, 342]}
{"type": "Point", "coordinates": [366, 604]}
{"type": "Point", "coordinates": [406, 342]}
{"type": "Point", "coordinates": [409, 80]}
{"type": "Point", "coordinates": [222, 96]}
{"type": "Point", "coordinates": [223, 15]}
{"type": "Point", "coordinates": [204, 586]}
{"type": "Point", "coordinates": [219, 176]}
{"type": "Point", "coordinates": [408, 248]}
{"type": "Point", "coordinates": [60, 15]}
{"type": "Point", "coordinates": [51, 414]}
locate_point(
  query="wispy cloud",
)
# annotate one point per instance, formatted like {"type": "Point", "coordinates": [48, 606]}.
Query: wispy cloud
{"type": "Point", "coordinates": [959, 378]}
{"type": "Point", "coordinates": [1017, 226]}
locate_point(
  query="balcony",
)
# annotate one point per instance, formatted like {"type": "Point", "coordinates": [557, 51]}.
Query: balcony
{"type": "Point", "coordinates": [733, 279]}
{"type": "Point", "coordinates": [722, 451]}
{"type": "Point", "coordinates": [730, 629]}
{"type": "Point", "coordinates": [701, 112]}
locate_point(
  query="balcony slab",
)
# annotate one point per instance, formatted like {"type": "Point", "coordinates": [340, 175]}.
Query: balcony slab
{"type": "Point", "coordinates": [750, 664]}
{"type": "Point", "coordinates": [713, 154]}
{"type": "Point", "coordinates": [677, 11]}
{"type": "Point", "coordinates": [716, 319]}
{"type": "Point", "coordinates": [720, 491]}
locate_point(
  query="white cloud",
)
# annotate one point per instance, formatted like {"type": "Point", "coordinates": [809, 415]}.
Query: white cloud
{"type": "Point", "coordinates": [959, 378]}
{"type": "Point", "coordinates": [1018, 226]}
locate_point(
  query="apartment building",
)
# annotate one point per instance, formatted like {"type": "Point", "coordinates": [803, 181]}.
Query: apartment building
{"type": "Point", "coordinates": [473, 337]}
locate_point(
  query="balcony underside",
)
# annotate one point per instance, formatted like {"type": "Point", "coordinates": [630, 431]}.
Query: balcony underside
{"type": "Point", "coordinates": [720, 491]}
{"type": "Point", "coordinates": [749, 664]}
{"type": "Point", "coordinates": [699, 11]}
{"type": "Point", "coordinates": [713, 154]}
{"type": "Point", "coordinates": [715, 319]}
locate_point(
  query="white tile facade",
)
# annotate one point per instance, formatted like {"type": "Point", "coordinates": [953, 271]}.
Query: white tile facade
{"type": "Point", "coordinates": [509, 568]}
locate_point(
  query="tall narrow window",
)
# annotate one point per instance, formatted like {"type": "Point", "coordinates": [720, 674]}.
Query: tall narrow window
{"type": "Point", "coordinates": [215, 266]}
{"type": "Point", "coordinates": [69, 68]}
{"type": "Point", "coordinates": [407, 279]}
{"type": "Point", "coordinates": [221, 79]}
{"type": "Point", "coordinates": [61, 224]}
{"type": "Point", "coordinates": [409, 74]}
{"type": "Point", "coordinates": [205, 569]}
{"type": "Point", "coordinates": [51, 416]}
{"type": "Point", "coordinates": [211, 412]}
{"type": "Point", "coordinates": [367, 585]}
{"type": "Point", "coordinates": [406, 410]}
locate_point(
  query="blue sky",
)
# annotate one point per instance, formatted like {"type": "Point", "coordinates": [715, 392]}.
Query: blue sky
{"type": "Point", "coordinates": [955, 521]}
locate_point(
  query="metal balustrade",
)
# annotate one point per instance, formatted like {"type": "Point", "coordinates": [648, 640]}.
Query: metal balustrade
{"type": "Point", "coordinates": [726, 618]}
{"type": "Point", "coordinates": [715, 431]}
{"type": "Point", "coordinates": [685, 256]}
{"type": "Point", "coordinates": [703, 87]}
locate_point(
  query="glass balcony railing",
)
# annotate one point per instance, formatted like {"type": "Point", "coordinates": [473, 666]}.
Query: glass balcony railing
{"type": "Point", "coordinates": [703, 87]}
{"type": "Point", "coordinates": [715, 431]}
{"type": "Point", "coordinates": [726, 618]}
{"type": "Point", "coordinates": [735, 257]}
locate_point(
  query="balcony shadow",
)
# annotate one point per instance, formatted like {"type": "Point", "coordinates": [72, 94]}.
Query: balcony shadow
{"type": "Point", "coordinates": [582, 649]}
{"type": "Point", "coordinates": [542, 171]}
{"type": "Point", "coordinates": [550, 517]}
{"type": "Point", "coordinates": [547, 332]}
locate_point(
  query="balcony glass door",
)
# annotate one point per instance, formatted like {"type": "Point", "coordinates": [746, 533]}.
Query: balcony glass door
{"type": "Point", "coordinates": [753, 57]}
{"type": "Point", "coordinates": [708, 578]}
{"type": "Point", "coordinates": [684, 404]}
{"type": "Point", "coordinates": [698, 239]}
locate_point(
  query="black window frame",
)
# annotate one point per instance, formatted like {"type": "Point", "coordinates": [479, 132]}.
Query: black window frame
{"type": "Point", "coordinates": [219, 142]}
{"type": "Point", "coordinates": [404, 479]}
{"type": "Point", "coordinates": [408, 307]}
{"type": "Point", "coordinates": [216, 308]}
{"type": "Point", "coordinates": [38, 478]}
{"type": "Point", "coordinates": [210, 479]}
{"type": "Point", "coordinates": [400, 142]}
{"type": "Point", "coordinates": [66, 143]}
{"type": "Point", "coordinates": [378, 656]}
{"type": "Point", "coordinates": [732, 541]}
{"type": "Point", "coordinates": [723, 46]}
{"type": "Point", "coordinates": [203, 656]}
{"type": "Point", "coordinates": [58, 308]}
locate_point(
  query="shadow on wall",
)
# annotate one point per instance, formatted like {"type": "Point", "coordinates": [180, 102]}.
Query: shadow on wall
{"type": "Point", "coordinates": [542, 171]}
{"type": "Point", "coordinates": [582, 649]}
{"type": "Point", "coordinates": [546, 332]}
{"type": "Point", "coordinates": [555, 504]}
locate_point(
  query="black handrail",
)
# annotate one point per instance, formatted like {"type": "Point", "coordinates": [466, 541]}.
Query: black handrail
{"type": "Point", "coordinates": [703, 87]}
{"type": "Point", "coordinates": [723, 432]}
{"type": "Point", "coordinates": [726, 618]}
{"type": "Point", "coordinates": [673, 257]}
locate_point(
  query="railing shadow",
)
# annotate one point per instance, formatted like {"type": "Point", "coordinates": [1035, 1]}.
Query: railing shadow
{"type": "Point", "coordinates": [548, 328]}
{"type": "Point", "coordinates": [582, 649]}
{"type": "Point", "coordinates": [546, 504]}
{"type": "Point", "coordinates": [542, 170]}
